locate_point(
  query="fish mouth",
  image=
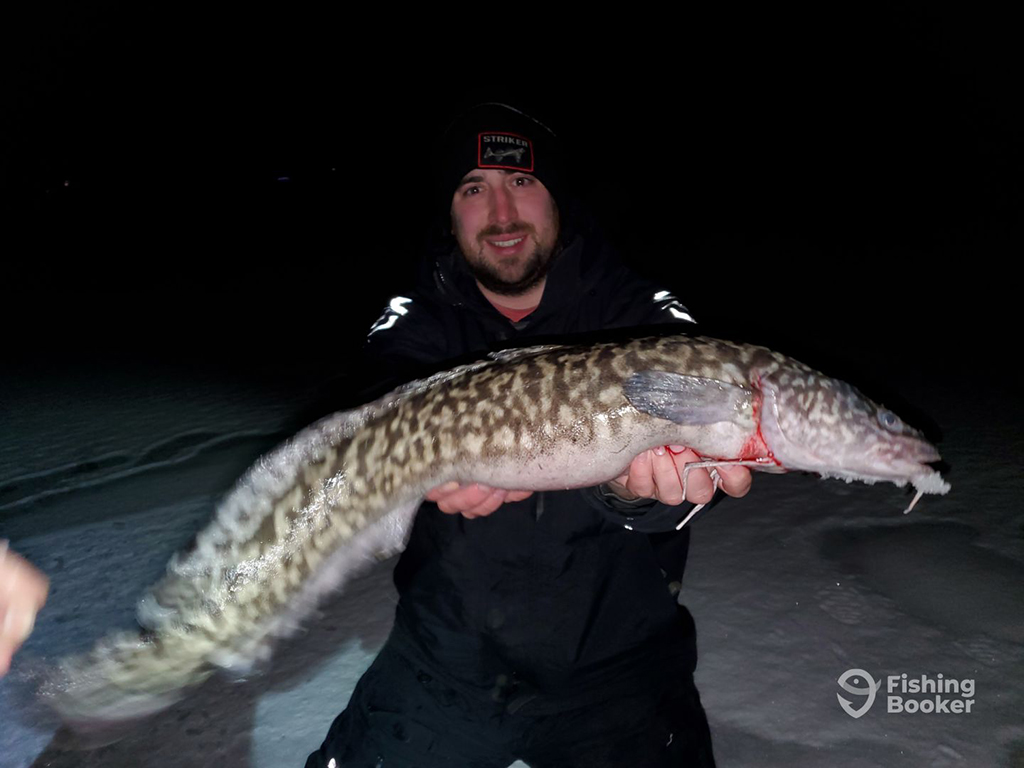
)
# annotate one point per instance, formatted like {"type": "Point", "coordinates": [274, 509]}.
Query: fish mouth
{"type": "Point", "coordinates": [912, 464]}
{"type": "Point", "coordinates": [919, 451]}
{"type": "Point", "coordinates": [907, 459]}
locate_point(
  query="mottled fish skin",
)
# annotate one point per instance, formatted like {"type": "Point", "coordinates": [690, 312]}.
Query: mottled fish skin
{"type": "Point", "coordinates": [544, 418]}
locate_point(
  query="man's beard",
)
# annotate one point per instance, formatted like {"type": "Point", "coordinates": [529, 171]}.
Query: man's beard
{"type": "Point", "coordinates": [535, 268]}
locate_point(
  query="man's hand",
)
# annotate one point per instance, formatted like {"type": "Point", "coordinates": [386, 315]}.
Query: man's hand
{"type": "Point", "coordinates": [658, 474]}
{"type": "Point", "coordinates": [22, 593]}
{"type": "Point", "coordinates": [475, 500]}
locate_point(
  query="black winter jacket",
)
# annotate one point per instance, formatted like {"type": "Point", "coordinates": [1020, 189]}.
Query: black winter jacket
{"type": "Point", "coordinates": [567, 596]}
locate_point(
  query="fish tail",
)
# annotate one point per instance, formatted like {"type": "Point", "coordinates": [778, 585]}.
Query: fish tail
{"type": "Point", "coordinates": [127, 676]}
{"type": "Point", "coordinates": [131, 675]}
{"type": "Point", "coordinates": [292, 529]}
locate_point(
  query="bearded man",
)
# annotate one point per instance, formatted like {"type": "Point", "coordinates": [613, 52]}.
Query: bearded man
{"type": "Point", "coordinates": [536, 626]}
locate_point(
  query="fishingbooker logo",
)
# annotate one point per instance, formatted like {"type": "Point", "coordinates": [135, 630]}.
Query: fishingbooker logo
{"type": "Point", "coordinates": [871, 688]}
{"type": "Point", "coordinates": [906, 694]}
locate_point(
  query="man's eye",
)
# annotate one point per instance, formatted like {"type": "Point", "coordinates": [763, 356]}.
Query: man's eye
{"type": "Point", "coordinates": [522, 181]}
{"type": "Point", "coordinates": [470, 191]}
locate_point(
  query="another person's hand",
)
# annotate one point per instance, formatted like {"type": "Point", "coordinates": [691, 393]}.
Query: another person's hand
{"type": "Point", "coordinates": [23, 591]}
{"type": "Point", "coordinates": [474, 500]}
{"type": "Point", "coordinates": [658, 474]}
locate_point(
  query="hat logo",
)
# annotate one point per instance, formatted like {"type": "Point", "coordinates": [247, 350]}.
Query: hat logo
{"type": "Point", "coordinates": [510, 151]}
{"type": "Point", "coordinates": [501, 154]}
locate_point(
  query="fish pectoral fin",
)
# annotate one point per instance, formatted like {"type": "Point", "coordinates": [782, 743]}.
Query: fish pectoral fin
{"type": "Point", "coordinates": [686, 399]}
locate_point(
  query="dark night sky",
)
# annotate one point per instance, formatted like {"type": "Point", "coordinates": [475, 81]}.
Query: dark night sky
{"type": "Point", "coordinates": [811, 181]}
{"type": "Point", "coordinates": [840, 185]}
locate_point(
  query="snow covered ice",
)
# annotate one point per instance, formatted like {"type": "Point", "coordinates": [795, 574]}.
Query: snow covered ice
{"type": "Point", "coordinates": [103, 476]}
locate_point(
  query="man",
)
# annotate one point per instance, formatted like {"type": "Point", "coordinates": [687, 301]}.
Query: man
{"type": "Point", "coordinates": [547, 630]}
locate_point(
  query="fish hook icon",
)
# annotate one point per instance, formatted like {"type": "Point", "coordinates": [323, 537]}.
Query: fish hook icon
{"type": "Point", "coordinates": [869, 691]}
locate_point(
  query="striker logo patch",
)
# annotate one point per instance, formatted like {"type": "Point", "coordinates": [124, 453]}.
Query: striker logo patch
{"type": "Point", "coordinates": [497, 149]}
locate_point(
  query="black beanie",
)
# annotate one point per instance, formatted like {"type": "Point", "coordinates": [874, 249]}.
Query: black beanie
{"type": "Point", "coordinates": [498, 136]}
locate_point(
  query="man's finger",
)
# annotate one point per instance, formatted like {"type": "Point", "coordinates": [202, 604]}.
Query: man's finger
{"type": "Point", "coordinates": [6, 652]}
{"type": "Point", "coordinates": [454, 494]}
{"type": "Point", "coordinates": [517, 495]}
{"type": "Point", "coordinates": [736, 481]}
{"type": "Point", "coordinates": [442, 491]}
{"type": "Point", "coordinates": [487, 506]}
{"type": "Point", "coordinates": [20, 580]}
{"type": "Point", "coordinates": [666, 479]}
{"type": "Point", "coordinates": [464, 498]}
{"type": "Point", "coordinates": [472, 500]}
{"type": "Point", "coordinates": [699, 486]}
{"type": "Point", "coordinates": [641, 479]}
{"type": "Point", "coordinates": [17, 620]}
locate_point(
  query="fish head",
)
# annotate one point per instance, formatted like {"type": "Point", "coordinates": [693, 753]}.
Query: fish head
{"type": "Point", "coordinates": [814, 423]}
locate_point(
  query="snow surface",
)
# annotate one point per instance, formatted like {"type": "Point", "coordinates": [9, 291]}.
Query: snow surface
{"type": "Point", "coordinates": [102, 477]}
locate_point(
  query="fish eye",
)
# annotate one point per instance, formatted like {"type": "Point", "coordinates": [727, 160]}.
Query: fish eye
{"type": "Point", "coordinates": [889, 420]}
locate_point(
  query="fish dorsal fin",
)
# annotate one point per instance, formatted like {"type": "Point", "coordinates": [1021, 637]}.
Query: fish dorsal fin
{"type": "Point", "coordinates": [421, 385]}
{"type": "Point", "coordinates": [493, 358]}
{"type": "Point", "coordinates": [687, 399]}
{"type": "Point", "coordinates": [509, 355]}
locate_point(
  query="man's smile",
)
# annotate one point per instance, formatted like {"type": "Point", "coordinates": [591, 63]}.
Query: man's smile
{"type": "Point", "coordinates": [506, 243]}
{"type": "Point", "coordinates": [512, 242]}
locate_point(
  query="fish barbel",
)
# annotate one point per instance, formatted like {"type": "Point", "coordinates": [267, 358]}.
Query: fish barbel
{"type": "Point", "coordinates": [345, 490]}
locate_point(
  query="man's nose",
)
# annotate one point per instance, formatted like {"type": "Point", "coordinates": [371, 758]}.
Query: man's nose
{"type": "Point", "coordinates": [503, 207]}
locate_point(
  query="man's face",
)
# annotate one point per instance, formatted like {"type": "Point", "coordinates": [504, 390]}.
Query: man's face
{"type": "Point", "coordinates": [506, 223]}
